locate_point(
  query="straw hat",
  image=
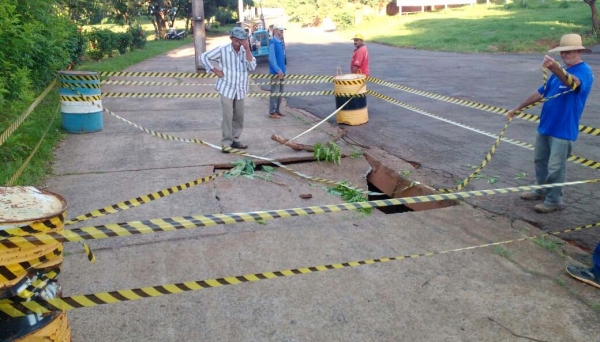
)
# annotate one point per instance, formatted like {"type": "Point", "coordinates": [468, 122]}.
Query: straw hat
{"type": "Point", "coordinates": [569, 42]}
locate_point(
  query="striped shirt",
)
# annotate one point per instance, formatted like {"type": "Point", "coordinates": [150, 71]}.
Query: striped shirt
{"type": "Point", "coordinates": [235, 67]}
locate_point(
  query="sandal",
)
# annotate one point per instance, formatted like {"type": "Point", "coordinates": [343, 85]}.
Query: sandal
{"type": "Point", "coordinates": [274, 116]}
{"type": "Point", "coordinates": [280, 114]}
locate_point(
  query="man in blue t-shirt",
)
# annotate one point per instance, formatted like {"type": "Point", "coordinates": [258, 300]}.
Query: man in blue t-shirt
{"type": "Point", "coordinates": [277, 69]}
{"type": "Point", "coordinates": [559, 120]}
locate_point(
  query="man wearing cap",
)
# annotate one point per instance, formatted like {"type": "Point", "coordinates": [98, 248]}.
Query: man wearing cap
{"type": "Point", "coordinates": [276, 68]}
{"type": "Point", "coordinates": [566, 91]}
{"type": "Point", "coordinates": [234, 61]}
{"type": "Point", "coordinates": [360, 58]}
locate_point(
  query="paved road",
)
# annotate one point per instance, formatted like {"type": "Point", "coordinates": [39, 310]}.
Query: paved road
{"type": "Point", "coordinates": [443, 150]}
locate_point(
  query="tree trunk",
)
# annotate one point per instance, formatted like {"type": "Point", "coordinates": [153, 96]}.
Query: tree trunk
{"type": "Point", "coordinates": [595, 26]}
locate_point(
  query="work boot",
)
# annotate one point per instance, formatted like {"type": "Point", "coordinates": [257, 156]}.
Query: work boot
{"type": "Point", "coordinates": [544, 208]}
{"type": "Point", "coordinates": [531, 196]}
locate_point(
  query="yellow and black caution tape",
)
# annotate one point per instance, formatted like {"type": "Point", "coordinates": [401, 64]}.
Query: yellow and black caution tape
{"type": "Point", "coordinates": [13, 127]}
{"type": "Point", "coordinates": [199, 75]}
{"type": "Point", "coordinates": [80, 98]}
{"type": "Point", "coordinates": [19, 171]}
{"type": "Point", "coordinates": [29, 291]}
{"type": "Point", "coordinates": [195, 221]}
{"type": "Point", "coordinates": [484, 162]}
{"type": "Point", "coordinates": [169, 84]}
{"type": "Point", "coordinates": [81, 85]}
{"type": "Point", "coordinates": [573, 158]}
{"type": "Point", "coordinates": [11, 272]}
{"type": "Point", "coordinates": [74, 77]}
{"type": "Point", "coordinates": [475, 105]}
{"type": "Point", "coordinates": [216, 95]}
{"type": "Point", "coordinates": [42, 227]}
{"type": "Point", "coordinates": [134, 202]}
{"type": "Point", "coordinates": [16, 308]}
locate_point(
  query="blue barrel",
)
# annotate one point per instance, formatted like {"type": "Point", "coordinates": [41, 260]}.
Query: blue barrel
{"type": "Point", "coordinates": [80, 101]}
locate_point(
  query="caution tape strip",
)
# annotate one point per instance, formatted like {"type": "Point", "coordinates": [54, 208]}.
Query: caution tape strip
{"type": "Point", "coordinates": [18, 309]}
{"type": "Point", "coordinates": [20, 170]}
{"type": "Point", "coordinates": [134, 202]}
{"type": "Point", "coordinates": [94, 77]}
{"type": "Point", "coordinates": [169, 84]}
{"type": "Point", "coordinates": [42, 227]}
{"type": "Point", "coordinates": [198, 75]}
{"type": "Point", "coordinates": [30, 291]}
{"type": "Point", "coordinates": [13, 127]}
{"type": "Point", "coordinates": [573, 158]}
{"type": "Point", "coordinates": [81, 85]}
{"type": "Point", "coordinates": [475, 105]}
{"type": "Point", "coordinates": [15, 271]}
{"type": "Point", "coordinates": [195, 221]}
{"type": "Point", "coordinates": [214, 95]}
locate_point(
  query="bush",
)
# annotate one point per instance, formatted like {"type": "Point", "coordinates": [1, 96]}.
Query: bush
{"type": "Point", "coordinates": [138, 37]}
{"type": "Point", "coordinates": [36, 42]}
{"type": "Point", "coordinates": [124, 41]}
{"type": "Point", "coordinates": [105, 41]}
{"type": "Point", "coordinates": [225, 15]}
{"type": "Point", "coordinates": [343, 18]}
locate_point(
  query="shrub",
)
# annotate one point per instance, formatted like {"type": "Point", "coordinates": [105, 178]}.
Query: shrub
{"type": "Point", "coordinates": [124, 41]}
{"type": "Point", "coordinates": [343, 18]}
{"type": "Point", "coordinates": [105, 41]}
{"type": "Point", "coordinates": [138, 37]}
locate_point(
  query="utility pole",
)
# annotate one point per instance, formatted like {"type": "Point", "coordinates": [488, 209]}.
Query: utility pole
{"type": "Point", "coordinates": [241, 11]}
{"type": "Point", "coordinates": [199, 31]}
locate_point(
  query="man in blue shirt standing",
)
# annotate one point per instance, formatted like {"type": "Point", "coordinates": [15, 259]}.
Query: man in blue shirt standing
{"type": "Point", "coordinates": [566, 91]}
{"type": "Point", "coordinates": [276, 68]}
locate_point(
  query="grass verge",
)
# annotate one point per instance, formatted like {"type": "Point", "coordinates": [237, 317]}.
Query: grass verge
{"type": "Point", "coordinates": [497, 29]}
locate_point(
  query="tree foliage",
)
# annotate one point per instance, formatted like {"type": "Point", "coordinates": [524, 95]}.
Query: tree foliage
{"type": "Point", "coordinates": [595, 26]}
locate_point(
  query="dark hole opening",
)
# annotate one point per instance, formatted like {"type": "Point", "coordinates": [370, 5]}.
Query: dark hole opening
{"type": "Point", "coordinates": [393, 209]}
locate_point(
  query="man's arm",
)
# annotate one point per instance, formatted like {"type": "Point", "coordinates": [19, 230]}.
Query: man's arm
{"type": "Point", "coordinates": [212, 55]}
{"type": "Point", "coordinates": [551, 64]}
{"type": "Point", "coordinates": [250, 60]}
{"type": "Point", "coordinates": [533, 98]}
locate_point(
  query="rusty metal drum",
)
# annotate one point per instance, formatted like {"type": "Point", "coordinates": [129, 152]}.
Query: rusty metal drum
{"type": "Point", "coordinates": [25, 211]}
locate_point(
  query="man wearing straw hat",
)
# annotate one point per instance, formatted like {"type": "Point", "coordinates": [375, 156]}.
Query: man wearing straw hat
{"type": "Point", "coordinates": [235, 60]}
{"type": "Point", "coordinates": [567, 91]}
{"type": "Point", "coordinates": [360, 57]}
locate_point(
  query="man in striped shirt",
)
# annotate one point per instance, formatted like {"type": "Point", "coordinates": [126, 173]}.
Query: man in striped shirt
{"type": "Point", "coordinates": [234, 61]}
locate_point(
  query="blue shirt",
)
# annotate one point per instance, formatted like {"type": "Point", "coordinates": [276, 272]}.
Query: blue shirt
{"type": "Point", "coordinates": [276, 56]}
{"type": "Point", "coordinates": [560, 116]}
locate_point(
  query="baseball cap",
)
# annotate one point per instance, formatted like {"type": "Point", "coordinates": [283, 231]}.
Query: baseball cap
{"type": "Point", "coordinates": [239, 33]}
{"type": "Point", "coordinates": [279, 27]}
{"type": "Point", "coordinates": [358, 36]}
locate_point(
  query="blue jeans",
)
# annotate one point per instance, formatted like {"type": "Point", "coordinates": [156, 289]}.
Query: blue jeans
{"type": "Point", "coordinates": [596, 258]}
{"type": "Point", "coordinates": [550, 158]}
{"type": "Point", "coordinates": [275, 101]}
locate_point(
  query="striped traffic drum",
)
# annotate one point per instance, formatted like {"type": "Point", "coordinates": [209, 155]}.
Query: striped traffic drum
{"type": "Point", "coordinates": [80, 101]}
{"type": "Point", "coordinates": [351, 87]}
{"type": "Point", "coordinates": [29, 270]}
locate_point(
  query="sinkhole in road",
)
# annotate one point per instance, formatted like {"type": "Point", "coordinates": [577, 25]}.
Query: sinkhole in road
{"type": "Point", "coordinates": [392, 209]}
{"type": "Point", "coordinates": [394, 184]}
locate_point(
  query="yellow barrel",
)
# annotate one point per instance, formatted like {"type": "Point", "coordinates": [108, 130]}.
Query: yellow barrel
{"type": "Point", "coordinates": [351, 87]}
{"type": "Point", "coordinates": [25, 211]}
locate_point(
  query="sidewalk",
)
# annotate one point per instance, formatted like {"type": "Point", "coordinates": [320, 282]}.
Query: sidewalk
{"type": "Point", "coordinates": [486, 294]}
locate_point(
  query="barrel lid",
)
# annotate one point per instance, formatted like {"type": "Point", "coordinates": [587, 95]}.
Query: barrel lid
{"type": "Point", "coordinates": [347, 77]}
{"type": "Point", "coordinates": [27, 203]}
